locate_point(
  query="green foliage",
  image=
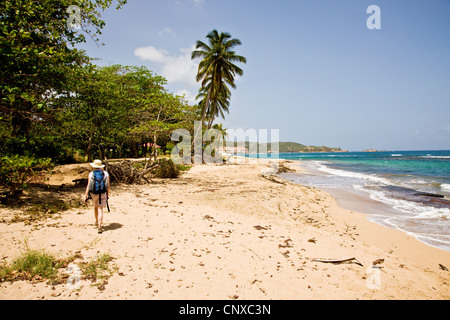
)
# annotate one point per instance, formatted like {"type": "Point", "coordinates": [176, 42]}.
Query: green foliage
{"type": "Point", "coordinates": [35, 265]}
{"type": "Point", "coordinates": [216, 71]}
{"type": "Point", "coordinates": [35, 40]}
{"type": "Point", "coordinates": [297, 147]}
{"type": "Point", "coordinates": [55, 104]}
{"type": "Point", "coordinates": [113, 111]}
{"type": "Point", "coordinates": [288, 147]}
{"type": "Point", "coordinates": [184, 167]}
{"type": "Point", "coordinates": [95, 268]}
{"type": "Point", "coordinates": [39, 265]}
{"type": "Point", "coordinates": [16, 171]}
{"type": "Point", "coordinates": [98, 270]}
{"type": "Point", "coordinates": [40, 145]}
{"type": "Point", "coordinates": [38, 57]}
{"type": "Point", "coordinates": [169, 146]}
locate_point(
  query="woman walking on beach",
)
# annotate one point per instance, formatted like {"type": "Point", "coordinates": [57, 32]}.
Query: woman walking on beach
{"type": "Point", "coordinates": [97, 189]}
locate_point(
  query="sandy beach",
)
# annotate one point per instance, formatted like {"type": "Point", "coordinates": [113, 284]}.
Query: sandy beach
{"type": "Point", "coordinates": [226, 232]}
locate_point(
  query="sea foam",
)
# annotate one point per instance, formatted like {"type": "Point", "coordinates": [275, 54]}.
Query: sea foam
{"type": "Point", "coordinates": [428, 156]}
{"type": "Point", "coordinates": [415, 210]}
{"type": "Point", "coordinates": [368, 177]}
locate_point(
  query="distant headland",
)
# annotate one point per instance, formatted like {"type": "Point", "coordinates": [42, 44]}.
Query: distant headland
{"type": "Point", "coordinates": [286, 147]}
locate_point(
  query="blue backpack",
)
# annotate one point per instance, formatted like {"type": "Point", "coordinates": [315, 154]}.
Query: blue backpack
{"type": "Point", "coordinates": [99, 186]}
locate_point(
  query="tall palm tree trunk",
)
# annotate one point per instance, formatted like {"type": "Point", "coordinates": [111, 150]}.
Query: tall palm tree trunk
{"type": "Point", "coordinates": [199, 130]}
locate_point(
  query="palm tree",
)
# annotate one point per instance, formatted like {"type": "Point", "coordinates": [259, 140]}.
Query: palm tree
{"type": "Point", "coordinates": [222, 131]}
{"type": "Point", "coordinates": [217, 106]}
{"type": "Point", "coordinates": [216, 71]}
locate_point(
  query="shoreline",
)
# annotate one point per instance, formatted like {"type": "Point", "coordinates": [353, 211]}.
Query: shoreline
{"type": "Point", "coordinates": [226, 232]}
{"type": "Point", "coordinates": [369, 222]}
{"type": "Point", "coordinates": [377, 212]}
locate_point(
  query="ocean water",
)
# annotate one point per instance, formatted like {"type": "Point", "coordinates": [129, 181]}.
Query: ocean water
{"type": "Point", "coordinates": [405, 190]}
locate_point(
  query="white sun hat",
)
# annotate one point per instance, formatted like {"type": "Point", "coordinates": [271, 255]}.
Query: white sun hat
{"type": "Point", "coordinates": [97, 164]}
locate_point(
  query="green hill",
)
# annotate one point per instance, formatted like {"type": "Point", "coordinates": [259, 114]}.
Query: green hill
{"type": "Point", "coordinates": [285, 147]}
{"type": "Point", "coordinates": [295, 147]}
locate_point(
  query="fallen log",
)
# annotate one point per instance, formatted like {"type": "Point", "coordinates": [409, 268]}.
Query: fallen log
{"type": "Point", "coordinates": [349, 260]}
{"type": "Point", "coordinates": [131, 173]}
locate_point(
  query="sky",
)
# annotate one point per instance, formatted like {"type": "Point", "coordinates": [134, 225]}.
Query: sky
{"type": "Point", "coordinates": [315, 70]}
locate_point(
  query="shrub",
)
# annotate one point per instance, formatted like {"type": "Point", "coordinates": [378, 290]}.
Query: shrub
{"type": "Point", "coordinates": [16, 171]}
{"type": "Point", "coordinates": [97, 268]}
{"type": "Point", "coordinates": [34, 263]}
{"type": "Point", "coordinates": [166, 169]}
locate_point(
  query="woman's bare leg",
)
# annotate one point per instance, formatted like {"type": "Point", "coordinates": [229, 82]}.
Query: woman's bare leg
{"type": "Point", "coordinates": [100, 218]}
{"type": "Point", "coordinates": [96, 215]}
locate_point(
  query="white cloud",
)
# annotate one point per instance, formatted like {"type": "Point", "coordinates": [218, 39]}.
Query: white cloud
{"type": "Point", "coordinates": [175, 68]}
{"type": "Point", "coordinates": [179, 69]}
{"type": "Point", "coordinates": [188, 96]}
{"type": "Point", "coordinates": [152, 54]}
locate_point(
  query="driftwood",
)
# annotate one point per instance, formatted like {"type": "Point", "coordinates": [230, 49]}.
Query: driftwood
{"type": "Point", "coordinates": [284, 169]}
{"type": "Point", "coordinates": [274, 179]}
{"type": "Point", "coordinates": [350, 260]}
{"type": "Point", "coordinates": [378, 261]}
{"type": "Point", "coordinates": [125, 172]}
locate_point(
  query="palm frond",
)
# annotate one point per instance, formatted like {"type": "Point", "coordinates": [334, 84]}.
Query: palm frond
{"type": "Point", "coordinates": [216, 72]}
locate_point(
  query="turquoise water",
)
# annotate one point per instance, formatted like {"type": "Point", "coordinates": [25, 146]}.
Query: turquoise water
{"type": "Point", "coordinates": [412, 188]}
{"type": "Point", "coordinates": [428, 170]}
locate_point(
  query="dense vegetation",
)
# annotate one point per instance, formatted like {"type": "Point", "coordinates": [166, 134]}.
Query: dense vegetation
{"type": "Point", "coordinates": [57, 106]}
{"type": "Point", "coordinates": [286, 147]}
{"type": "Point", "coordinates": [297, 147]}
{"type": "Point", "coordinates": [54, 103]}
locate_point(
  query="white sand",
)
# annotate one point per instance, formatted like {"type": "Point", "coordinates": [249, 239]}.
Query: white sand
{"type": "Point", "coordinates": [225, 232]}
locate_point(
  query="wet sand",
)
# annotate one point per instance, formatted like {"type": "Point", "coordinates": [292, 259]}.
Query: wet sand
{"type": "Point", "coordinates": [429, 231]}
